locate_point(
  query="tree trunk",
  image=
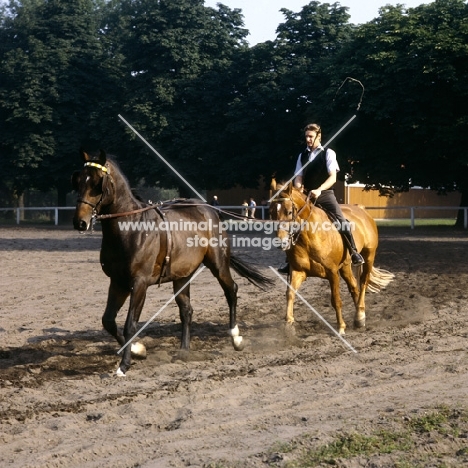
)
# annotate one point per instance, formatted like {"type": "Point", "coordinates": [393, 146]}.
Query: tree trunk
{"type": "Point", "coordinates": [20, 204]}
{"type": "Point", "coordinates": [460, 223]}
{"type": "Point", "coordinates": [64, 216]}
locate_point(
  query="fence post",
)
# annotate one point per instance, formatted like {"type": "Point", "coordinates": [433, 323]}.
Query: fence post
{"type": "Point", "coordinates": [412, 217]}
{"type": "Point", "coordinates": [56, 216]}
{"type": "Point", "coordinates": [465, 217]}
{"type": "Point", "coordinates": [17, 215]}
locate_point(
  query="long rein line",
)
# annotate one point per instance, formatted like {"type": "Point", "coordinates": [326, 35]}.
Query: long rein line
{"type": "Point", "coordinates": [152, 206]}
{"type": "Point", "coordinates": [163, 206]}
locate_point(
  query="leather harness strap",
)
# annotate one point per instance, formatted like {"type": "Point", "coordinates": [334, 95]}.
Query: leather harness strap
{"type": "Point", "coordinates": [126, 213]}
{"type": "Point", "coordinates": [165, 269]}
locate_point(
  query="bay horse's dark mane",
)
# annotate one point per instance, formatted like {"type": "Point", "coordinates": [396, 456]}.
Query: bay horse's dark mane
{"type": "Point", "coordinates": [136, 195]}
{"type": "Point", "coordinates": [116, 166]}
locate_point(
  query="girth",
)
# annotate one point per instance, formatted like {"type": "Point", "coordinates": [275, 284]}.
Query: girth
{"type": "Point", "coordinates": [165, 269]}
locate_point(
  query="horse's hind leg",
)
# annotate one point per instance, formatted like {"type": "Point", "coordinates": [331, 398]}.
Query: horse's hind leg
{"type": "Point", "coordinates": [360, 318]}
{"type": "Point", "coordinates": [223, 274]}
{"type": "Point", "coordinates": [346, 273]}
{"type": "Point", "coordinates": [364, 273]}
{"type": "Point", "coordinates": [115, 300]}
{"type": "Point", "coordinates": [185, 310]}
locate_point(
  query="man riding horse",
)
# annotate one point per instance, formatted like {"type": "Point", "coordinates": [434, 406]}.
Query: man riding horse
{"type": "Point", "coordinates": [315, 172]}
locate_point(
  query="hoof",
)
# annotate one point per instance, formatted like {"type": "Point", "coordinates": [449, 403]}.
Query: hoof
{"type": "Point", "coordinates": [342, 332]}
{"type": "Point", "coordinates": [360, 323]}
{"type": "Point", "coordinates": [138, 350]}
{"type": "Point", "coordinates": [289, 329]}
{"type": "Point", "coordinates": [238, 343]}
{"type": "Point", "coordinates": [119, 373]}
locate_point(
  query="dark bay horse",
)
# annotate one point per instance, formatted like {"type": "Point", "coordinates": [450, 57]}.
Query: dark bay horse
{"type": "Point", "coordinates": [135, 259]}
{"type": "Point", "coordinates": [315, 248]}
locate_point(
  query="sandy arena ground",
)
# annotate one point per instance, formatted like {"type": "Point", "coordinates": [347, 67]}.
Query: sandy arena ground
{"type": "Point", "coordinates": [62, 406]}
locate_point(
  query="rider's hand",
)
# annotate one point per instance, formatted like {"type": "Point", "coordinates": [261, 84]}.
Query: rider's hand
{"type": "Point", "coordinates": [315, 193]}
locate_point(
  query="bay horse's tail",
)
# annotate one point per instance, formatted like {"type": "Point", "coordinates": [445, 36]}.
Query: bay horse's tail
{"type": "Point", "coordinates": [379, 279]}
{"type": "Point", "coordinates": [250, 273]}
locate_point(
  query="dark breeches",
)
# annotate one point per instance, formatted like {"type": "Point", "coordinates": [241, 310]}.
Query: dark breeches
{"type": "Point", "coordinates": [329, 203]}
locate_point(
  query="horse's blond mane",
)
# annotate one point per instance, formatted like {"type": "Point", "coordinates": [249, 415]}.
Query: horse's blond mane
{"type": "Point", "coordinates": [289, 188]}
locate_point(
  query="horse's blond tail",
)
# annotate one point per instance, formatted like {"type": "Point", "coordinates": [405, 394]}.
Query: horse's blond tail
{"type": "Point", "coordinates": [379, 279]}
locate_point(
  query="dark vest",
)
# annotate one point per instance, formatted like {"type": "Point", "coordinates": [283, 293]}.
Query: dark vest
{"type": "Point", "coordinates": [316, 172]}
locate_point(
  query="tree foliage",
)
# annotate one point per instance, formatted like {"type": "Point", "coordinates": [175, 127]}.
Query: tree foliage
{"type": "Point", "coordinates": [284, 85]}
{"type": "Point", "coordinates": [51, 55]}
{"type": "Point", "coordinates": [412, 128]}
{"type": "Point", "coordinates": [178, 64]}
{"type": "Point", "coordinates": [225, 113]}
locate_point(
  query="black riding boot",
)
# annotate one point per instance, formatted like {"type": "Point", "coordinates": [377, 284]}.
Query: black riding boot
{"type": "Point", "coordinates": [284, 268]}
{"type": "Point", "coordinates": [356, 257]}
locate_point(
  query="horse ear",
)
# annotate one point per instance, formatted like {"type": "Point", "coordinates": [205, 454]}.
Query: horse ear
{"type": "Point", "coordinates": [102, 157]}
{"type": "Point", "coordinates": [290, 188]}
{"type": "Point", "coordinates": [273, 184]}
{"type": "Point", "coordinates": [84, 155]}
{"type": "Point", "coordinates": [75, 180]}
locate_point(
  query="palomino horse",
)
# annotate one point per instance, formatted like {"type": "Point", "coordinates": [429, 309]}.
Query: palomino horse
{"type": "Point", "coordinates": [134, 259]}
{"type": "Point", "coordinates": [315, 248]}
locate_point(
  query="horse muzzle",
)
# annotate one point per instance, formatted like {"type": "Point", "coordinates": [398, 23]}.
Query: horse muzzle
{"type": "Point", "coordinates": [82, 219]}
{"type": "Point", "coordinates": [80, 224]}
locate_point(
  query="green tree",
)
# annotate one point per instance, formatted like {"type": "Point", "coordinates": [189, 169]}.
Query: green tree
{"type": "Point", "coordinates": [178, 62]}
{"type": "Point", "coordinates": [55, 88]}
{"type": "Point", "coordinates": [412, 127]}
{"type": "Point", "coordinates": [285, 84]}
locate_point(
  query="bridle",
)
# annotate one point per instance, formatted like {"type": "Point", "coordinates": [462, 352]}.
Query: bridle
{"type": "Point", "coordinates": [294, 228]}
{"type": "Point", "coordinates": [94, 215]}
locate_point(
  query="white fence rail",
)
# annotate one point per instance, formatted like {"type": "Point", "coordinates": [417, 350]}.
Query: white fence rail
{"type": "Point", "coordinates": [54, 209]}
{"type": "Point", "coordinates": [412, 211]}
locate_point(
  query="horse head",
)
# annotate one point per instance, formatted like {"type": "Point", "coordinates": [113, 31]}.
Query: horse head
{"type": "Point", "coordinates": [285, 208]}
{"type": "Point", "coordinates": [95, 189]}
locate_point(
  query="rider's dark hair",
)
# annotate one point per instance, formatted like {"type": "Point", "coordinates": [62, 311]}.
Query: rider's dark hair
{"type": "Point", "coordinates": [313, 127]}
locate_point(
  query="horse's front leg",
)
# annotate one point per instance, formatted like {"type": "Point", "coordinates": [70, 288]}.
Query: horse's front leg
{"type": "Point", "coordinates": [297, 278]}
{"type": "Point", "coordinates": [115, 300]}
{"type": "Point", "coordinates": [336, 301]}
{"type": "Point", "coordinates": [137, 300]}
{"type": "Point", "coordinates": [185, 310]}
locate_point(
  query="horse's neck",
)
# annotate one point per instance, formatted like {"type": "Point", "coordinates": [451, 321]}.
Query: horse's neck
{"type": "Point", "coordinates": [302, 204]}
{"type": "Point", "coordinates": [124, 200]}
{"type": "Point", "coordinates": [308, 210]}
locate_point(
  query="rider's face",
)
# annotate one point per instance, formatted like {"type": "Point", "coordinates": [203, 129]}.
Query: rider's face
{"type": "Point", "coordinates": [312, 139]}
